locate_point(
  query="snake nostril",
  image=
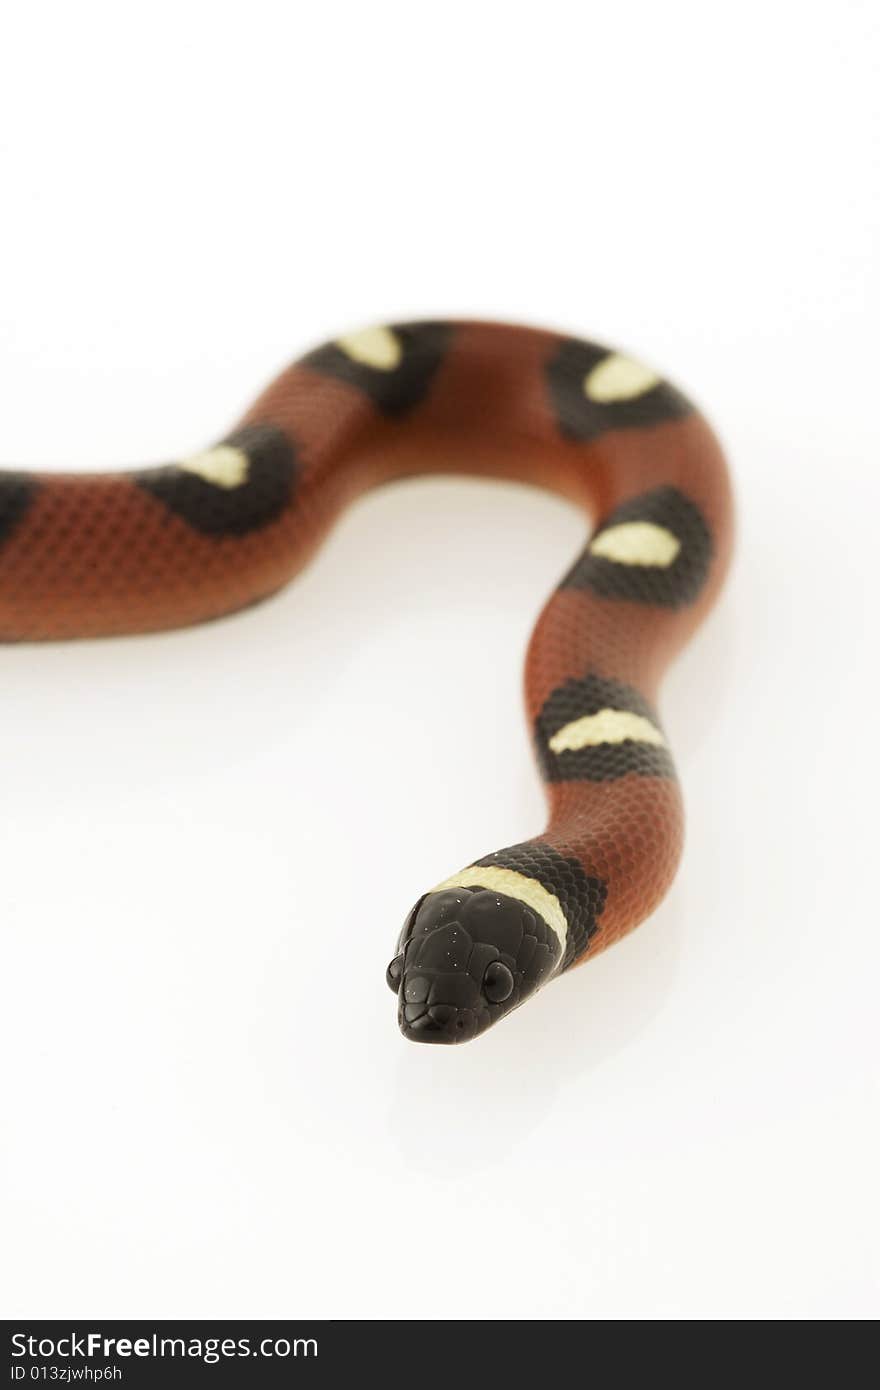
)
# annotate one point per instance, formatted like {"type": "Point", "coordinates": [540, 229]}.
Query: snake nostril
{"type": "Point", "coordinates": [416, 989]}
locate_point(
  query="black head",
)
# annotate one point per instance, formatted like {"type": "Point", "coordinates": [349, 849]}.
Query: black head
{"type": "Point", "coordinates": [466, 957]}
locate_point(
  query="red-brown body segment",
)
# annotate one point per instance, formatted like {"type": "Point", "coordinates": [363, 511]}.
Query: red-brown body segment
{"type": "Point", "coordinates": [96, 555]}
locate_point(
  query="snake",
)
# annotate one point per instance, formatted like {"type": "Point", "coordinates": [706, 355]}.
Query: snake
{"type": "Point", "coordinates": [99, 554]}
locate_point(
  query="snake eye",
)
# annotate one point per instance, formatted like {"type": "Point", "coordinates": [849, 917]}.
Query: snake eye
{"type": "Point", "coordinates": [394, 972]}
{"type": "Point", "coordinates": [497, 982]}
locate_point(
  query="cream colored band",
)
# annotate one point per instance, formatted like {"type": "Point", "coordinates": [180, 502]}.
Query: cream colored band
{"type": "Point", "coordinates": [606, 726]}
{"type": "Point", "coordinates": [619, 378]}
{"type": "Point", "coordinates": [514, 885]}
{"type": "Point", "coordinates": [636, 543]}
{"type": "Point", "coordinates": [373, 347]}
{"type": "Point", "coordinates": [224, 466]}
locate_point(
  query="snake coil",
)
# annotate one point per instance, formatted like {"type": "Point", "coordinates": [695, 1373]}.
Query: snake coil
{"type": "Point", "coordinates": [88, 555]}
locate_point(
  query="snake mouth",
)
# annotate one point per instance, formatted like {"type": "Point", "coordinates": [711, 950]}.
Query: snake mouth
{"type": "Point", "coordinates": [438, 1023]}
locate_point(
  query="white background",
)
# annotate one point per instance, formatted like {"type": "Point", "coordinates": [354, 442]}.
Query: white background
{"type": "Point", "coordinates": [209, 839]}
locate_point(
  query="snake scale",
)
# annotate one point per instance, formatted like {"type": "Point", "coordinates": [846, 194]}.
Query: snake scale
{"type": "Point", "coordinates": [97, 554]}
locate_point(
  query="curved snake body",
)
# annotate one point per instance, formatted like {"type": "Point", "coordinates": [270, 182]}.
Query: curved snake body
{"type": "Point", "coordinates": [87, 555]}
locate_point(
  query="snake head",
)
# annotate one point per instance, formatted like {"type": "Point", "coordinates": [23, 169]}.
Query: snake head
{"type": "Point", "coordinates": [466, 957]}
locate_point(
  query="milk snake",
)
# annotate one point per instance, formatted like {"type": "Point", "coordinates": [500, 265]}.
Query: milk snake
{"type": "Point", "coordinates": [90, 555]}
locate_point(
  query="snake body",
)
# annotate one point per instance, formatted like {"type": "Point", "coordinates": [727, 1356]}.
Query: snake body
{"type": "Point", "coordinates": [89, 555]}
